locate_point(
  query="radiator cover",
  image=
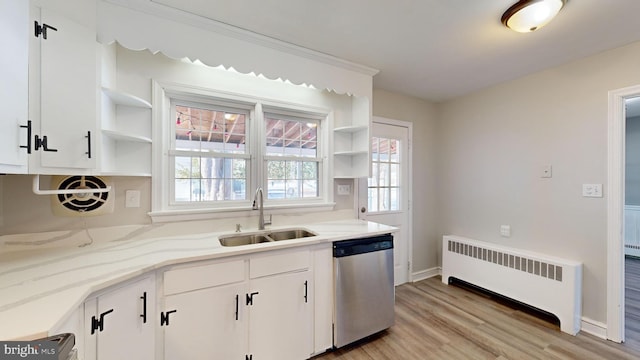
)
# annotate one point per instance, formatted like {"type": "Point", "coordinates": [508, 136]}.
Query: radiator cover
{"type": "Point", "coordinates": [547, 283]}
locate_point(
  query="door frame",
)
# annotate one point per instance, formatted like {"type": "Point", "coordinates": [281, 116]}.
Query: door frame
{"type": "Point", "coordinates": [409, 190]}
{"type": "Point", "coordinates": [615, 211]}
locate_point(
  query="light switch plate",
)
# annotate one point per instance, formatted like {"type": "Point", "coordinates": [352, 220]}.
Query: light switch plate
{"type": "Point", "coordinates": [592, 190]}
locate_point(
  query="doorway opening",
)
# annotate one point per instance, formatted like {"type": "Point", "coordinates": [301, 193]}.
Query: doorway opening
{"type": "Point", "coordinates": [623, 183]}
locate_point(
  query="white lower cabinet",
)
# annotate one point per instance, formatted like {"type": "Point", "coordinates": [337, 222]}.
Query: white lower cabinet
{"type": "Point", "coordinates": [281, 317]}
{"type": "Point", "coordinates": [264, 306]}
{"type": "Point", "coordinates": [208, 324]}
{"type": "Point", "coordinates": [257, 308]}
{"type": "Point", "coordinates": [120, 323]}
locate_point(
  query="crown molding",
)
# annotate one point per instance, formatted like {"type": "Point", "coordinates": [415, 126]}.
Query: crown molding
{"type": "Point", "coordinates": [153, 8]}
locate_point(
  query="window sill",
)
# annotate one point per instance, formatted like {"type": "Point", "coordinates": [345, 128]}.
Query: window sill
{"type": "Point", "coordinates": [164, 216]}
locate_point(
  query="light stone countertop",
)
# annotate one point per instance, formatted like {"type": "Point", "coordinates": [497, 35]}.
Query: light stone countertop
{"type": "Point", "coordinates": [40, 288]}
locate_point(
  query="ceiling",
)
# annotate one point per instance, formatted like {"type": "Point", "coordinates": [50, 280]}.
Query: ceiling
{"type": "Point", "coordinates": [432, 49]}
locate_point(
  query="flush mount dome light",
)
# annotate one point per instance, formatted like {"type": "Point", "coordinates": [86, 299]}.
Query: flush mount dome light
{"type": "Point", "coordinates": [530, 15]}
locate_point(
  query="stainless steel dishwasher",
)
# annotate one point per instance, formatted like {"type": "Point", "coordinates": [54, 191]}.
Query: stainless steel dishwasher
{"type": "Point", "coordinates": [364, 291]}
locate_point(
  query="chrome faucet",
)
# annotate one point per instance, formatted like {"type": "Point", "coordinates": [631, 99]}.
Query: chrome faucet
{"type": "Point", "coordinates": [261, 221]}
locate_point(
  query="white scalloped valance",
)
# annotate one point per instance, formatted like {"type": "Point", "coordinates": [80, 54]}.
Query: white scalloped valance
{"type": "Point", "coordinates": [143, 24]}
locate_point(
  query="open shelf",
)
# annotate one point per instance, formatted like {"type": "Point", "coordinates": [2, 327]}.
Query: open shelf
{"type": "Point", "coordinates": [122, 98]}
{"type": "Point", "coordinates": [350, 129]}
{"type": "Point", "coordinates": [119, 135]}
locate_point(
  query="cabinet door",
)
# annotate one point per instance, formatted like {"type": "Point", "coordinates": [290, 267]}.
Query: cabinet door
{"type": "Point", "coordinates": [67, 94]}
{"type": "Point", "coordinates": [128, 316]}
{"type": "Point", "coordinates": [281, 317]}
{"type": "Point", "coordinates": [14, 37]}
{"type": "Point", "coordinates": [208, 324]}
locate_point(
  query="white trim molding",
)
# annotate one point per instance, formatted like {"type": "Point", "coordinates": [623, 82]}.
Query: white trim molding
{"type": "Point", "coordinates": [615, 207]}
{"type": "Point", "coordinates": [242, 50]}
{"type": "Point", "coordinates": [426, 274]}
{"type": "Point", "coordinates": [595, 328]}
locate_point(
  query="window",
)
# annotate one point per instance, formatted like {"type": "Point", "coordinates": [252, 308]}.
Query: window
{"type": "Point", "coordinates": [209, 154]}
{"type": "Point", "coordinates": [220, 150]}
{"type": "Point", "coordinates": [384, 184]}
{"type": "Point", "coordinates": [291, 154]}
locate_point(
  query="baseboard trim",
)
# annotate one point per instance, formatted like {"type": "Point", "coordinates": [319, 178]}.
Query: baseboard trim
{"type": "Point", "coordinates": [425, 274]}
{"type": "Point", "coordinates": [594, 328]}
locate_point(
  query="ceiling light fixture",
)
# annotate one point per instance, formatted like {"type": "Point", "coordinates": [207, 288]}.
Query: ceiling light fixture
{"type": "Point", "coordinates": [530, 15]}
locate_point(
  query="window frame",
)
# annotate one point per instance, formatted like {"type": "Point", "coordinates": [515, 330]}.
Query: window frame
{"type": "Point", "coordinates": [303, 117]}
{"type": "Point", "coordinates": [165, 209]}
{"type": "Point", "coordinates": [172, 152]}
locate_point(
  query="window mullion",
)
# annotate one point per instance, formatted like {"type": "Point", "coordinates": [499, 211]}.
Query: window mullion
{"type": "Point", "coordinates": [258, 164]}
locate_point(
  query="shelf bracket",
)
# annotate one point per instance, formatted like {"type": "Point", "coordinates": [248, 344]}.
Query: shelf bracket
{"type": "Point", "coordinates": [37, 191]}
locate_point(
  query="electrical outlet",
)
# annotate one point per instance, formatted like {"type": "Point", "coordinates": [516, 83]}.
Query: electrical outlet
{"type": "Point", "coordinates": [505, 230]}
{"type": "Point", "coordinates": [344, 189]}
{"type": "Point", "coordinates": [132, 199]}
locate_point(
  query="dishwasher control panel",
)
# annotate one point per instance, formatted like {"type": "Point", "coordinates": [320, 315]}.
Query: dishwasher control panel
{"type": "Point", "coordinates": [362, 246]}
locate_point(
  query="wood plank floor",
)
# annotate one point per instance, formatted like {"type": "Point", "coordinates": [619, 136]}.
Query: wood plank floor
{"type": "Point", "coordinates": [438, 321]}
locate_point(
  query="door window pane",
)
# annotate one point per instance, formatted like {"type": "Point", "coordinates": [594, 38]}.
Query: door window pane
{"type": "Point", "coordinates": [385, 180]}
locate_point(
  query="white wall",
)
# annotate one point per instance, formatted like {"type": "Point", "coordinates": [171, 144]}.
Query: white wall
{"type": "Point", "coordinates": [492, 146]}
{"type": "Point", "coordinates": [422, 114]}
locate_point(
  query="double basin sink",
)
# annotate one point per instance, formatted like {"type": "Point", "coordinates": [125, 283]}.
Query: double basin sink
{"type": "Point", "coordinates": [264, 237]}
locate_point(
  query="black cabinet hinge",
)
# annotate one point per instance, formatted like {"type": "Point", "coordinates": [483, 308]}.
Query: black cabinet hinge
{"type": "Point", "coordinates": [98, 324]}
{"type": "Point", "coordinates": [42, 30]}
{"type": "Point", "coordinates": [164, 317]}
{"type": "Point", "coordinates": [250, 297]}
{"type": "Point", "coordinates": [41, 142]}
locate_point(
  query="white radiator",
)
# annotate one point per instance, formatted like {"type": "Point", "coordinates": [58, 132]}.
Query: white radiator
{"type": "Point", "coordinates": [547, 283]}
{"type": "Point", "coordinates": [632, 230]}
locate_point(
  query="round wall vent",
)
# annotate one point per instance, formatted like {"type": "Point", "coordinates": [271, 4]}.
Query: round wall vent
{"type": "Point", "coordinates": [86, 204]}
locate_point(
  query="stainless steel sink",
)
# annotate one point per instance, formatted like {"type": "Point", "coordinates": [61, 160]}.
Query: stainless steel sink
{"type": "Point", "coordinates": [238, 240]}
{"type": "Point", "coordinates": [264, 236]}
{"type": "Point", "coordinates": [290, 234]}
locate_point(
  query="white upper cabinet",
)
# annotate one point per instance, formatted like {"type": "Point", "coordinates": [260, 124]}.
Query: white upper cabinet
{"type": "Point", "coordinates": [62, 94]}
{"type": "Point", "coordinates": [14, 34]}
